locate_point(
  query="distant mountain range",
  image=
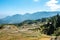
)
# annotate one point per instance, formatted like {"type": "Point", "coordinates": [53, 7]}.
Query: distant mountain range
{"type": "Point", "coordinates": [20, 18]}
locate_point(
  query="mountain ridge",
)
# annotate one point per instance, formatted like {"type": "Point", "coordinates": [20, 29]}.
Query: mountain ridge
{"type": "Point", "coordinates": [17, 18]}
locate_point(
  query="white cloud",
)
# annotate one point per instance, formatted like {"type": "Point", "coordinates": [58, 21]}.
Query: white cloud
{"type": "Point", "coordinates": [53, 5]}
{"type": "Point", "coordinates": [35, 0]}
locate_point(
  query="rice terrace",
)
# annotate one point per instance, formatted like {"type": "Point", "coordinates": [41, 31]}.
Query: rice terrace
{"type": "Point", "coordinates": [29, 19]}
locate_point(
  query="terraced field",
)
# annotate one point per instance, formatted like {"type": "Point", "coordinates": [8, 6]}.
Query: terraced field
{"type": "Point", "coordinates": [19, 36]}
{"type": "Point", "coordinates": [11, 32]}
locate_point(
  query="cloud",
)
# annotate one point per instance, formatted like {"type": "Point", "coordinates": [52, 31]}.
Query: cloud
{"type": "Point", "coordinates": [35, 0]}
{"type": "Point", "coordinates": [53, 5]}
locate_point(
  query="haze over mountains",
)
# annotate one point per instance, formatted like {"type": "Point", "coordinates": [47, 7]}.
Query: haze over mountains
{"type": "Point", "coordinates": [17, 18]}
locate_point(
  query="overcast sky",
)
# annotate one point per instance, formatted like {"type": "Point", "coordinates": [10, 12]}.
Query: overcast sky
{"type": "Point", "coordinates": [12, 7]}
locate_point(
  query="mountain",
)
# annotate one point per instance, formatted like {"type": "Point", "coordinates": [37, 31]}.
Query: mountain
{"type": "Point", "coordinates": [20, 18]}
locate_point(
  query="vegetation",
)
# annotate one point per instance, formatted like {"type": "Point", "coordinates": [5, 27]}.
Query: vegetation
{"type": "Point", "coordinates": [53, 25]}
{"type": "Point", "coordinates": [32, 29]}
{"type": "Point", "coordinates": [50, 25]}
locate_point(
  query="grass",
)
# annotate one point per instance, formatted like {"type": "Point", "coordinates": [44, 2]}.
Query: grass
{"type": "Point", "coordinates": [19, 36]}
{"type": "Point", "coordinates": [24, 35]}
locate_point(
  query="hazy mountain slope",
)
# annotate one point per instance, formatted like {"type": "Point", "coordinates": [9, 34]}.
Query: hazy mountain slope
{"type": "Point", "coordinates": [20, 18]}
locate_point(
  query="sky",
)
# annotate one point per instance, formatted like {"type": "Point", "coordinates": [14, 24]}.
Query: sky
{"type": "Point", "coordinates": [12, 7]}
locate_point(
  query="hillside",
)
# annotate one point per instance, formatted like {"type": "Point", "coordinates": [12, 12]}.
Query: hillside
{"type": "Point", "coordinates": [11, 32]}
{"type": "Point", "coordinates": [49, 26]}
{"type": "Point", "coordinates": [40, 29]}
{"type": "Point", "coordinates": [20, 18]}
